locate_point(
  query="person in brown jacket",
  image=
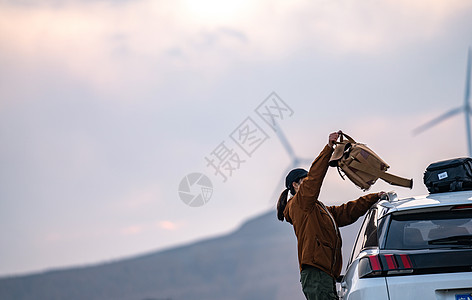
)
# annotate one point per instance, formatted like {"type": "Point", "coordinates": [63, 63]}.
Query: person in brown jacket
{"type": "Point", "coordinates": [316, 225]}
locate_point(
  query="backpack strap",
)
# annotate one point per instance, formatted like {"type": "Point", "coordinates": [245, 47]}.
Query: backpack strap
{"type": "Point", "coordinates": [390, 178]}
{"type": "Point", "coordinates": [341, 147]}
{"type": "Point", "coordinates": [350, 139]}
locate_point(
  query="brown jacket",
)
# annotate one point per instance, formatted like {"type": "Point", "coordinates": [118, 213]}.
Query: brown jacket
{"type": "Point", "coordinates": [319, 240]}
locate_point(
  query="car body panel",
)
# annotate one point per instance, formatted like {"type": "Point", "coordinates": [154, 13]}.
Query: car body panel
{"type": "Point", "coordinates": [429, 286]}
{"type": "Point", "coordinates": [433, 200]}
{"type": "Point", "coordinates": [455, 284]}
{"type": "Point", "coordinates": [354, 288]}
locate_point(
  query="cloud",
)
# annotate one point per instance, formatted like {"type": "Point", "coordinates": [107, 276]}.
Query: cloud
{"type": "Point", "coordinates": [139, 42]}
{"type": "Point", "coordinates": [132, 230]}
{"type": "Point", "coordinates": [101, 161]}
{"type": "Point", "coordinates": [141, 198]}
{"type": "Point", "coordinates": [53, 237]}
{"type": "Point", "coordinates": [168, 225]}
{"type": "Point", "coordinates": [149, 227]}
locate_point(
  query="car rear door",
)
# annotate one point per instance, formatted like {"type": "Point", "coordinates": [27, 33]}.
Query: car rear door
{"type": "Point", "coordinates": [438, 248]}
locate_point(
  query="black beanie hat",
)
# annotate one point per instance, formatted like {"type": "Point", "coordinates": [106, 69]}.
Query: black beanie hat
{"type": "Point", "coordinates": [294, 176]}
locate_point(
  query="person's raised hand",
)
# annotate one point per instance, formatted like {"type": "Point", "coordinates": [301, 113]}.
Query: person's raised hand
{"type": "Point", "coordinates": [382, 195]}
{"type": "Point", "coordinates": [333, 137]}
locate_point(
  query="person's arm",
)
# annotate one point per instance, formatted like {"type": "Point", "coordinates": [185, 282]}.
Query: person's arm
{"type": "Point", "coordinates": [310, 188]}
{"type": "Point", "coordinates": [349, 212]}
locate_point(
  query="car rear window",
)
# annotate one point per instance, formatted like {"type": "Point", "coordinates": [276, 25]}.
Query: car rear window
{"type": "Point", "coordinates": [430, 230]}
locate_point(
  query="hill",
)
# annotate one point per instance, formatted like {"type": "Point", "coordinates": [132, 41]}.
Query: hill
{"type": "Point", "coordinates": [257, 261]}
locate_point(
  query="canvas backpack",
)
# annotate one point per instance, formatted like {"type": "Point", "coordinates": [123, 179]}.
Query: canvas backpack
{"type": "Point", "coordinates": [362, 165]}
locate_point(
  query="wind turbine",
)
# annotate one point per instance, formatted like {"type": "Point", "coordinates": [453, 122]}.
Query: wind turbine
{"type": "Point", "coordinates": [295, 162]}
{"type": "Point", "coordinates": [464, 108]}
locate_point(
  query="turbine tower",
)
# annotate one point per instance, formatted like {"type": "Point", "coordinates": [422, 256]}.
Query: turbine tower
{"type": "Point", "coordinates": [295, 162]}
{"type": "Point", "coordinates": [464, 108]}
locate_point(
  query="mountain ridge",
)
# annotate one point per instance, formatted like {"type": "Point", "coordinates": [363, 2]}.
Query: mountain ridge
{"type": "Point", "coordinates": [258, 260]}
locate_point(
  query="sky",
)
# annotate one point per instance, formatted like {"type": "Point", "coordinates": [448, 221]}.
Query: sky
{"type": "Point", "coordinates": [107, 106]}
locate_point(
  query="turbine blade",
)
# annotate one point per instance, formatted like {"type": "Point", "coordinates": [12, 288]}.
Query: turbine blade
{"type": "Point", "coordinates": [284, 141]}
{"type": "Point", "coordinates": [467, 103]}
{"type": "Point", "coordinates": [306, 161]}
{"type": "Point", "coordinates": [467, 130]}
{"type": "Point", "coordinates": [437, 120]}
{"type": "Point", "coordinates": [467, 82]}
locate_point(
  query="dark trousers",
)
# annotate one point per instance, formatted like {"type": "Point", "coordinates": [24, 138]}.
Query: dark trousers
{"type": "Point", "coordinates": [317, 285]}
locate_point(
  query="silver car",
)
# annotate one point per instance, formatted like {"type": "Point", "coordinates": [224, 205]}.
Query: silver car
{"type": "Point", "coordinates": [413, 248]}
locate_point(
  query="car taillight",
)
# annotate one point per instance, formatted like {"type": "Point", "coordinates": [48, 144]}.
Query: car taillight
{"type": "Point", "coordinates": [375, 263]}
{"type": "Point", "coordinates": [391, 263]}
{"type": "Point", "coordinates": [406, 261]}
{"type": "Point", "coordinates": [384, 265]}
{"type": "Point", "coordinates": [461, 207]}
